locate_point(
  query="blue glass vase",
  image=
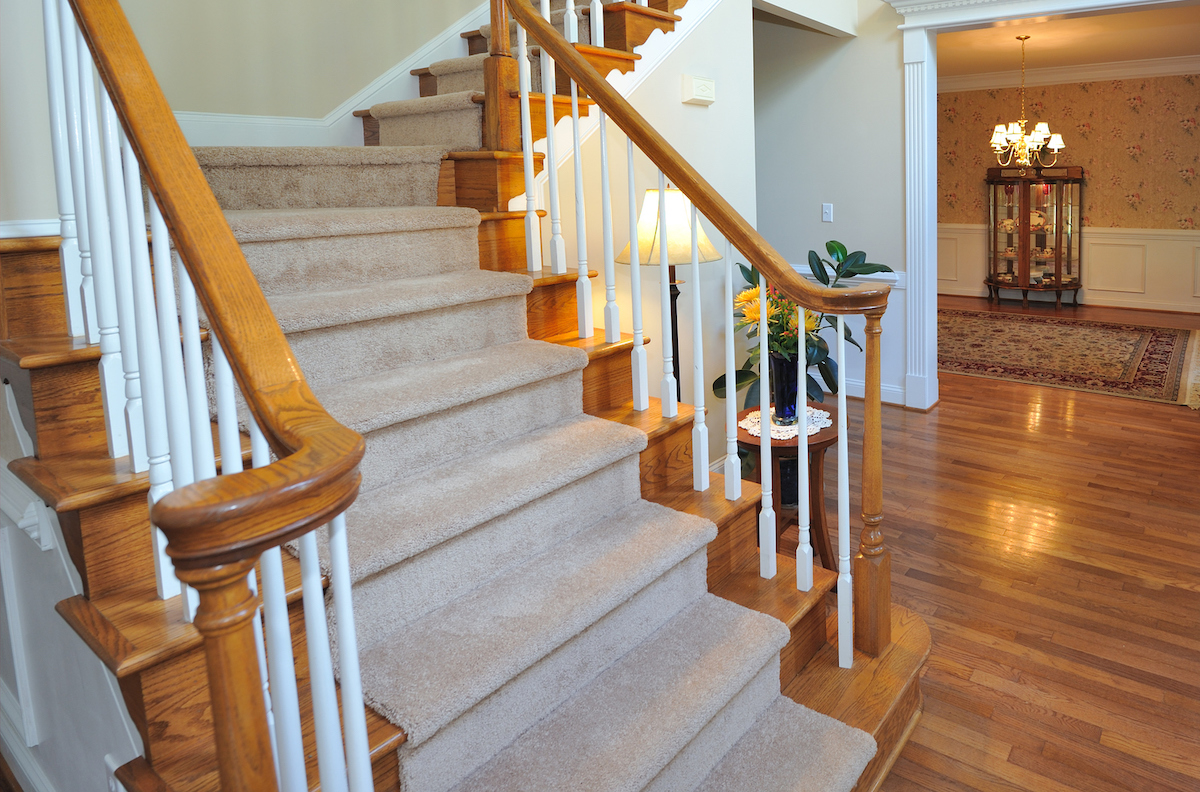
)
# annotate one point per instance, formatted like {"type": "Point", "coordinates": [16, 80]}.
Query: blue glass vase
{"type": "Point", "coordinates": [785, 381]}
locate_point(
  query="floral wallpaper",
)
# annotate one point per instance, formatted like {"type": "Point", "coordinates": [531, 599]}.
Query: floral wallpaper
{"type": "Point", "coordinates": [1137, 140]}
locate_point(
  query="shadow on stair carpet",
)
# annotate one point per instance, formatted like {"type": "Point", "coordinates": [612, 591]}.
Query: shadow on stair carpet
{"type": "Point", "coordinates": [527, 619]}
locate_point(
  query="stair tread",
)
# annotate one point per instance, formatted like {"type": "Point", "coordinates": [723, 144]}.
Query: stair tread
{"type": "Point", "coordinates": [266, 225]}
{"type": "Point", "coordinates": [426, 674]}
{"type": "Point", "coordinates": [595, 347]}
{"type": "Point", "coordinates": [441, 503]}
{"type": "Point", "coordinates": [457, 65]}
{"type": "Point", "coordinates": [35, 352]}
{"type": "Point", "coordinates": [635, 8]}
{"type": "Point", "coordinates": [301, 311]}
{"type": "Point", "coordinates": [420, 389]}
{"type": "Point", "coordinates": [543, 277]}
{"type": "Point", "coordinates": [791, 748]}
{"type": "Point", "coordinates": [559, 99]}
{"type": "Point", "coordinates": [626, 725]}
{"type": "Point", "coordinates": [650, 421]}
{"type": "Point", "coordinates": [77, 481]}
{"type": "Point", "coordinates": [294, 156]}
{"type": "Point", "coordinates": [777, 596]}
{"type": "Point", "coordinates": [710, 504]}
{"type": "Point", "coordinates": [458, 100]}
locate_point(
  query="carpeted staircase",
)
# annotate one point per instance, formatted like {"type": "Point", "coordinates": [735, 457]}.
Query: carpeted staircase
{"type": "Point", "coordinates": [524, 616]}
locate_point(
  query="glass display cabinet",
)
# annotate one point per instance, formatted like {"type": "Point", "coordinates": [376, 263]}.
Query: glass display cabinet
{"type": "Point", "coordinates": [1034, 234]}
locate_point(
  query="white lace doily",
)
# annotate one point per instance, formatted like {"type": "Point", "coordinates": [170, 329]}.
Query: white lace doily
{"type": "Point", "coordinates": [817, 420]}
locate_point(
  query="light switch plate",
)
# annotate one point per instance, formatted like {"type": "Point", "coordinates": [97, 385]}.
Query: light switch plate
{"type": "Point", "coordinates": [699, 90]}
{"type": "Point", "coordinates": [826, 213]}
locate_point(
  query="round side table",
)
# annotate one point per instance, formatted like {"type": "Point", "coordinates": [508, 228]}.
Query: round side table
{"type": "Point", "coordinates": [787, 449]}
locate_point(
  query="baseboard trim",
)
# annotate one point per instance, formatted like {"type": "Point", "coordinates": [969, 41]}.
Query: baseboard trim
{"type": "Point", "coordinates": [21, 760]}
{"type": "Point", "coordinates": [16, 229]}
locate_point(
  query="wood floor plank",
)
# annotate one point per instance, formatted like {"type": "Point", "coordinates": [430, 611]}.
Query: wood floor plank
{"type": "Point", "coordinates": [1051, 541]}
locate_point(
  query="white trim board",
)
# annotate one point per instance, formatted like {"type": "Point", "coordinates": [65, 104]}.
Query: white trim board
{"type": "Point", "coordinates": [1080, 73]}
{"type": "Point", "coordinates": [339, 127]}
{"type": "Point", "coordinates": [16, 229]}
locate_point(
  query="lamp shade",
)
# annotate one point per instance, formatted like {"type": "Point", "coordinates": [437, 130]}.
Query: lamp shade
{"type": "Point", "coordinates": [679, 232]}
{"type": "Point", "coordinates": [1056, 142]}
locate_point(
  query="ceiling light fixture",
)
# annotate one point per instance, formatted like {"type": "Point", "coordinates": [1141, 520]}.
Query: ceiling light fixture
{"type": "Point", "coordinates": [1013, 146]}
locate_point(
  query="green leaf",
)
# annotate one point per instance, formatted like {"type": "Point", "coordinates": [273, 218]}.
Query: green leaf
{"type": "Point", "coordinates": [828, 369]}
{"type": "Point", "coordinates": [814, 389]}
{"type": "Point", "coordinates": [849, 337]}
{"type": "Point", "coordinates": [818, 269]}
{"type": "Point", "coordinates": [836, 250]}
{"type": "Point", "coordinates": [866, 269]}
{"type": "Point", "coordinates": [742, 378]}
{"type": "Point", "coordinates": [752, 395]}
{"type": "Point", "coordinates": [855, 259]}
{"type": "Point", "coordinates": [750, 274]}
{"type": "Point", "coordinates": [817, 351]}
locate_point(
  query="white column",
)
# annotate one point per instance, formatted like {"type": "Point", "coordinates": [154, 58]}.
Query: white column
{"type": "Point", "coordinates": [637, 358]}
{"type": "Point", "coordinates": [72, 104]}
{"type": "Point", "coordinates": [670, 401]}
{"type": "Point", "coordinates": [112, 375]}
{"type": "Point", "coordinates": [733, 463]}
{"type": "Point", "coordinates": [767, 563]}
{"type": "Point", "coordinates": [845, 585]}
{"type": "Point", "coordinates": [533, 232]}
{"type": "Point", "coordinates": [699, 430]}
{"type": "Point", "coordinates": [920, 151]}
{"type": "Point", "coordinates": [135, 424]}
{"type": "Point", "coordinates": [804, 553]}
{"type": "Point", "coordinates": [68, 249]}
{"type": "Point", "coordinates": [558, 248]}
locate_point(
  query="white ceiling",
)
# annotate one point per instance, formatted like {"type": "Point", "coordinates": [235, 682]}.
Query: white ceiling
{"type": "Point", "coordinates": [1169, 32]}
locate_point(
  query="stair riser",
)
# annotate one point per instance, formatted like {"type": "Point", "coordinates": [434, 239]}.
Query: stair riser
{"type": "Point", "coordinates": [463, 745]}
{"type": "Point", "coordinates": [324, 186]}
{"type": "Point", "coordinates": [691, 765]}
{"type": "Point", "coordinates": [607, 383]}
{"type": "Point", "coordinates": [60, 407]}
{"type": "Point", "coordinates": [666, 457]}
{"type": "Point", "coordinates": [735, 545]}
{"type": "Point", "coordinates": [111, 546]}
{"type": "Point", "coordinates": [401, 450]}
{"type": "Point", "coordinates": [364, 348]}
{"type": "Point", "coordinates": [441, 574]}
{"type": "Point", "coordinates": [32, 295]}
{"type": "Point", "coordinates": [332, 262]}
{"type": "Point", "coordinates": [170, 704]}
{"type": "Point", "coordinates": [808, 636]}
{"type": "Point", "coordinates": [457, 130]}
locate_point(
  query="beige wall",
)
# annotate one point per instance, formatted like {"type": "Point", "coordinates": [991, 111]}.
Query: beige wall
{"type": "Point", "coordinates": [279, 57]}
{"type": "Point", "coordinates": [26, 169]}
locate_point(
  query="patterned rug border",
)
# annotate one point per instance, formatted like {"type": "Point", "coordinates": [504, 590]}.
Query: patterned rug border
{"type": "Point", "coordinates": [1183, 368]}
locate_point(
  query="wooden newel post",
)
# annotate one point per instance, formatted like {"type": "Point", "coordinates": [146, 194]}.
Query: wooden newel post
{"type": "Point", "coordinates": [501, 83]}
{"type": "Point", "coordinates": [872, 566]}
{"type": "Point", "coordinates": [224, 618]}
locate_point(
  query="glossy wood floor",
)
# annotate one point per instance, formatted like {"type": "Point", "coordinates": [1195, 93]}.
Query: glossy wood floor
{"type": "Point", "coordinates": [1051, 540]}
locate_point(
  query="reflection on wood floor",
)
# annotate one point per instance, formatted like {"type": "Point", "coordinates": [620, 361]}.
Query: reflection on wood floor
{"type": "Point", "coordinates": [1051, 540]}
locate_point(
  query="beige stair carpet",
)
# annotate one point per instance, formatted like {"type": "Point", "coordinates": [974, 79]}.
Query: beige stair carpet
{"type": "Point", "coordinates": [526, 618]}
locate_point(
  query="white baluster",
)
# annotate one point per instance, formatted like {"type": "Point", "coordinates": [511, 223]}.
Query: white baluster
{"type": "Point", "coordinates": [112, 376]}
{"type": "Point", "coordinates": [73, 107]}
{"type": "Point", "coordinates": [558, 248]}
{"type": "Point", "coordinates": [767, 563]}
{"type": "Point", "coordinates": [135, 423]}
{"type": "Point", "coordinates": [331, 762]}
{"type": "Point", "coordinates": [353, 713]}
{"type": "Point", "coordinates": [637, 358]}
{"type": "Point", "coordinates": [699, 430]}
{"type": "Point", "coordinates": [533, 229]}
{"type": "Point", "coordinates": [68, 249]}
{"type": "Point", "coordinates": [583, 284]}
{"type": "Point", "coordinates": [733, 463]}
{"type": "Point", "coordinates": [183, 468]}
{"type": "Point", "coordinates": [285, 700]}
{"type": "Point", "coordinates": [231, 463]}
{"type": "Point", "coordinates": [804, 553]}
{"type": "Point", "coordinates": [670, 402]}
{"type": "Point", "coordinates": [612, 310]}
{"type": "Point", "coordinates": [150, 364]}
{"type": "Point", "coordinates": [845, 585]}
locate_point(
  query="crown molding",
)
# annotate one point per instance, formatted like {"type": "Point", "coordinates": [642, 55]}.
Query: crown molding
{"type": "Point", "coordinates": [952, 14]}
{"type": "Point", "coordinates": [1078, 73]}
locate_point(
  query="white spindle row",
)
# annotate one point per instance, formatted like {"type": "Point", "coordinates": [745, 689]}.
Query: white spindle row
{"type": "Point", "coordinates": [668, 395]}
{"type": "Point", "coordinates": [126, 296]}
{"type": "Point", "coordinates": [641, 371]}
{"type": "Point", "coordinates": [767, 562]}
{"type": "Point", "coordinates": [533, 237]}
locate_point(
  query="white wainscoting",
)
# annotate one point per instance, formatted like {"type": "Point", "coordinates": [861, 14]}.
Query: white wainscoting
{"type": "Point", "coordinates": [1155, 269]}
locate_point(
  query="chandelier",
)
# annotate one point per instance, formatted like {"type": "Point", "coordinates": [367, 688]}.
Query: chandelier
{"type": "Point", "coordinates": [1013, 146]}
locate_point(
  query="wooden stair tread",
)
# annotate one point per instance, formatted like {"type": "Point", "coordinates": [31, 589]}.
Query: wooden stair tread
{"type": "Point", "coordinates": [778, 596]}
{"type": "Point", "coordinates": [424, 70]}
{"type": "Point", "coordinates": [596, 347]}
{"type": "Point", "coordinates": [41, 244]}
{"type": "Point", "coordinates": [488, 154]}
{"type": "Point", "coordinates": [486, 216]}
{"type": "Point", "coordinates": [73, 482]}
{"type": "Point", "coordinates": [650, 420]}
{"type": "Point", "coordinates": [710, 504]}
{"type": "Point", "coordinates": [646, 11]}
{"type": "Point", "coordinates": [132, 633]}
{"type": "Point", "coordinates": [361, 113]}
{"type": "Point", "coordinates": [35, 352]}
{"type": "Point", "coordinates": [559, 99]}
{"type": "Point", "coordinates": [543, 277]}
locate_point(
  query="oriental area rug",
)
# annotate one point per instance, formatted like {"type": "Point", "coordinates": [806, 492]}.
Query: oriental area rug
{"type": "Point", "coordinates": [1151, 363]}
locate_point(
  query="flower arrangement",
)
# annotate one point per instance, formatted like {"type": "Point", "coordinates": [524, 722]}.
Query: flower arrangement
{"type": "Point", "coordinates": [782, 317]}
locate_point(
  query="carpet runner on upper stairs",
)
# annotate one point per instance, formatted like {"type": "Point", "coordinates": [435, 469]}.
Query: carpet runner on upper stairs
{"type": "Point", "coordinates": [525, 617]}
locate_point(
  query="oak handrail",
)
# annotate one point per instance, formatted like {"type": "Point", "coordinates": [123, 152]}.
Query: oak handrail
{"type": "Point", "coordinates": [316, 476]}
{"type": "Point", "coordinates": [856, 299]}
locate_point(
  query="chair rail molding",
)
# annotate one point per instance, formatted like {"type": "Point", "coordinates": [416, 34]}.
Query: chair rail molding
{"type": "Point", "coordinates": [923, 20]}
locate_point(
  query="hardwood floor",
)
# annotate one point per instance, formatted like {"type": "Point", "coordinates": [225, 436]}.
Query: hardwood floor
{"type": "Point", "coordinates": [1051, 540]}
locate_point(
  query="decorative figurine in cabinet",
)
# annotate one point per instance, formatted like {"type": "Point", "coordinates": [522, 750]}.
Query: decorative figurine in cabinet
{"type": "Point", "coordinates": [1034, 233]}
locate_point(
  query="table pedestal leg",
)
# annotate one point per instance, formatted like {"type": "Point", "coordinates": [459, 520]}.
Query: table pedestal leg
{"type": "Point", "coordinates": [818, 525]}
